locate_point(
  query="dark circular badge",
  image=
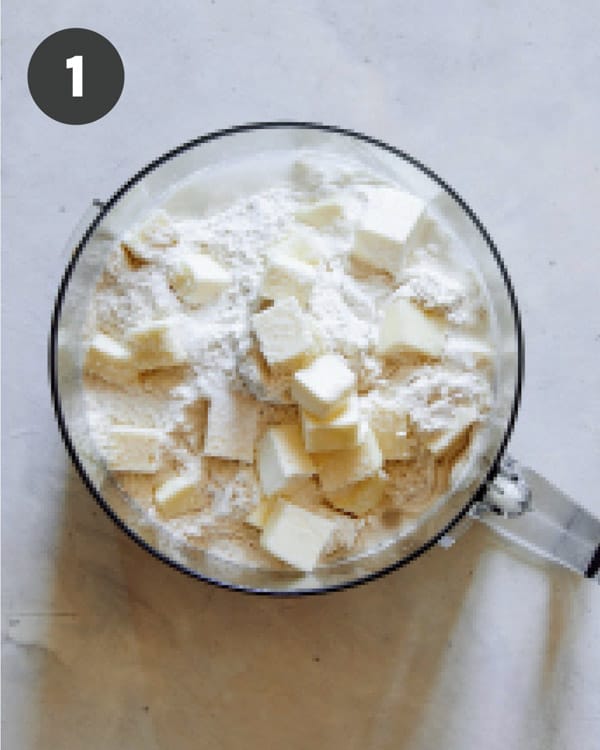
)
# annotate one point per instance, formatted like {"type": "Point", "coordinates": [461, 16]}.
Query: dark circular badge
{"type": "Point", "coordinates": [75, 76]}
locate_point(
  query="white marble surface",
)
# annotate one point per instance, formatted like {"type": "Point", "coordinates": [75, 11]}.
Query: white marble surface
{"type": "Point", "coordinates": [479, 646]}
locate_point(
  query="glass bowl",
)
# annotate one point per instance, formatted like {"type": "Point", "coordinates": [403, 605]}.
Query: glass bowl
{"type": "Point", "coordinates": [145, 190]}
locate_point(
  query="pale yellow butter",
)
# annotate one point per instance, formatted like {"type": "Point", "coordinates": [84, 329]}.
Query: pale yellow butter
{"type": "Point", "coordinates": [156, 344]}
{"type": "Point", "coordinates": [340, 468]}
{"type": "Point", "coordinates": [323, 387]}
{"type": "Point", "coordinates": [406, 328]}
{"type": "Point", "coordinates": [288, 277]}
{"type": "Point", "coordinates": [295, 535]}
{"type": "Point", "coordinates": [260, 512]}
{"type": "Point", "coordinates": [282, 458]}
{"type": "Point", "coordinates": [179, 494]}
{"type": "Point", "coordinates": [301, 244]}
{"type": "Point", "coordinates": [284, 334]}
{"type": "Point", "coordinates": [390, 424]}
{"type": "Point", "coordinates": [109, 360]}
{"type": "Point", "coordinates": [231, 426]}
{"type": "Point", "coordinates": [320, 214]}
{"type": "Point", "coordinates": [198, 279]}
{"type": "Point", "coordinates": [339, 432]}
{"type": "Point", "coordinates": [390, 221]}
{"type": "Point", "coordinates": [360, 498]}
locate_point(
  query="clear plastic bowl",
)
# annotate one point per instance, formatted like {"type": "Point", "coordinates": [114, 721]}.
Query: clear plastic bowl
{"type": "Point", "coordinates": [145, 190]}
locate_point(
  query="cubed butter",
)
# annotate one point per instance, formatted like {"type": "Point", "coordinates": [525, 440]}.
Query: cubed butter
{"type": "Point", "coordinates": [284, 334]}
{"type": "Point", "coordinates": [109, 360]}
{"type": "Point", "coordinates": [338, 469]}
{"type": "Point", "coordinates": [302, 245]}
{"type": "Point", "coordinates": [178, 495]}
{"type": "Point", "coordinates": [155, 345]}
{"type": "Point", "coordinates": [390, 425]}
{"type": "Point", "coordinates": [198, 279]}
{"type": "Point", "coordinates": [231, 426]}
{"type": "Point", "coordinates": [391, 220]}
{"type": "Point", "coordinates": [260, 513]}
{"type": "Point", "coordinates": [360, 498]}
{"type": "Point", "coordinates": [135, 449]}
{"type": "Point", "coordinates": [282, 458]}
{"type": "Point", "coordinates": [339, 432]}
{"type": "Point", "coordinates": [323, 387]}
{"type": "Point", "coordinates": [295, 535]}
{"type": "Point", "coordinates": [449, 439]}
{"type": "Point", "coordinates": [406, 328]}
{"type": "Point", "coordinates": [286, 276]}
{"type": "Point", "coordinates": [320, 214]}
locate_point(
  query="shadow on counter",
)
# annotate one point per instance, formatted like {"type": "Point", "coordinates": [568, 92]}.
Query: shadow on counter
{"type": "Point", "coordinates": [150, 658]}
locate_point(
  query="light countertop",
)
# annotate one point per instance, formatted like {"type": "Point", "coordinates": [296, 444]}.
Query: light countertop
{"type": "Point", "coordinates": [477, 646]}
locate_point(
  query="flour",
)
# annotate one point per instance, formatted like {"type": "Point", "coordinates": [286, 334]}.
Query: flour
{"type": "Point", "coordinates": [431, 275]}
{"type": "Point", "coordinates": [432, 394]}
{"type": "Point", "coordinates": [344, 309]}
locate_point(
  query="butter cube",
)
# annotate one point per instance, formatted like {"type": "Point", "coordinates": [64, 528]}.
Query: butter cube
{"type": "Point", "coordinates": [339, 432]}
{"type": "Point", "coordinates": [450, 438]}
{"type": "Point", "coordinates": [340, 468]}
{"type": "Point", "coordinates": [295, 535]}
{"type": "Point", "coordinates": [109, 360]}
{"type": "Point", "coordinates": [178, 495]}
{"type": "Point", "coordinates": [406, 328]}
{"type": "Point", "coordinates": [134, 449]}
{"type": "Point", "coordinates": [301, 245]}
{"type": "Point", "coordinates": [282, 459]}
{"type": "Point", "coordinates": [155, 345]}
{"type": "Point", "coordinates": [391, 221]}
{"type": "Point", "coordinates": [360, 498]}
{"type": "Point", "coordinates": [198, 279]}
{"type": "Point", "coordinates": [260, 513]}
{"type": "Point", "coordinates": [288, 277]}
{"type": "Point", "coordinates": [390, 425]}
{"type": "Point", "coordinates": [322, 388]}
{"type": "Point", "coordinates": [284, 333]}
{"type": "Point", "coordinates": [320, 214]}
{"type": "Point", "coordinates": [231, 426]}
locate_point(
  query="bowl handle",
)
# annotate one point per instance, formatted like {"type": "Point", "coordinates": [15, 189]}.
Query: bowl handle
{"type": "Point", "coordinates": [526, 509]}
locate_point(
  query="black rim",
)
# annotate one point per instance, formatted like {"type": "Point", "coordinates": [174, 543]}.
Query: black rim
{"type": "Point", "coordinates": [52, 362]}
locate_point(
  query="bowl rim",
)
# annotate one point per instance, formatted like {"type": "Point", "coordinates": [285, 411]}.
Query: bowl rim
{"type": "Point", "coordinates": [106, 207]}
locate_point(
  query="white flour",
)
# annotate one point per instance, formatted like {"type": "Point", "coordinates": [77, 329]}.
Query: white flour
{"type": "Point", "coordinates": [344, 306]}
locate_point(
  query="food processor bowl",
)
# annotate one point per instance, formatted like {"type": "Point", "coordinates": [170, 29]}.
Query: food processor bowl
{"type": "Point", "coordinates": [108, 220]}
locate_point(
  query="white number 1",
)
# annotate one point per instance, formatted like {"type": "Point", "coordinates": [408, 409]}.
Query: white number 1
{"type": "Point", "coordinates": [76, 65]}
